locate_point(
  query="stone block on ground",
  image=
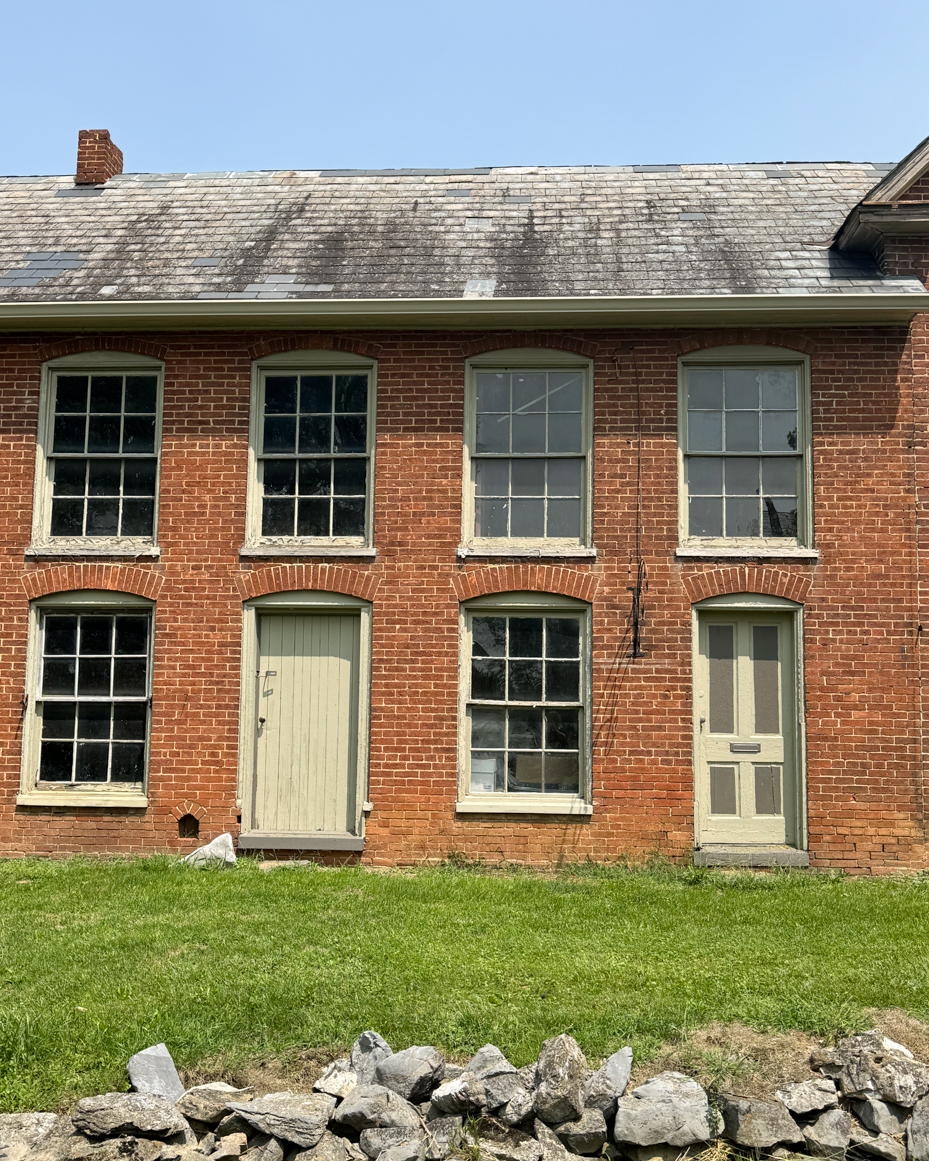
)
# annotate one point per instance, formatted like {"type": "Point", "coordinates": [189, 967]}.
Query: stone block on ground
{"type": "Point", "coordinates": [337, 1080]}
{"type": "Point", "coordinates": [443, 1134]}
{"type": "Point", "coordinates": [152, 1070]}
{"type": "Point", "coordinates": [373, 1106]}
{"type": "Point", "coordinates": [232, 1145]}
{"type": "Point", "coordinates": [129, 1114]}
{"type": "Point", "coordinates": [465, 1096]}
{"type": "Point", "coordinates": [207, 1102]}
{"type": "Point", "coordinates": [504, 1144]}
{"type": "Point", "coordinates": [269, 1150]}
{"type": "Point", "coordinates": [881, 1116]}
{"type": "Point", "coordinates": [585, 1135]}
{"type": "Point", "coordinates": [489, 1061]}
{"type": "Point", "coordinates": [367, 1052]}
{"type": "Point", "coordinates": [809, 1096]}
{"type": "Point", "coordinates": [917, 1132]}
{"type": "Point", "coordinates": [412, 1150]}
{"type": "Point", "coordinates": [829, 1134]}
{"type": "Point", "coordinates": [329, 1148]}
{"type": "Point", "coordinates": [501, 1088]}
{"type": "Point", "coordinates": [881, 1145]}
{"type": "Point", "coordinates": [552, 1148]}
{"type": "Point", "coordinates": [561, 1078]}
{"type": "Point", "coordinates": [26, 1135]}
{"type": "Point", "coordinates": [517, 1109]}
{"type": "Point", "coordinates": [758, 1124]}
{"type": "Point", "coordinates": [294, 1117]}
{"type": "Point", "coordinates": [218, 853]}
{"type": "Point", "coordinates": [373, 1142]}
{"type": "Point", "coordinates": [669, 1109]}
{"type": "Point", "coordinates": [232, 1123]}
{"type": "Point", "coordinates": [412, 1073]}
{"type": "Point", "coordinates": [869, 1064]}
{"type": "Point", "coordinates": [608, 1083]}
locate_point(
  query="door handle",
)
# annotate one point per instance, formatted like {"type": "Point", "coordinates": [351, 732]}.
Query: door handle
{"type": "Point", "coordinates": [261, 721]}
{"type": "Point", "coordinates": [702, 724]}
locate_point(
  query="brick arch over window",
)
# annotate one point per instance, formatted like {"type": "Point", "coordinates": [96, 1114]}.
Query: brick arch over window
{"type": "Point", "coordinates": [102, 343]}
{"type": "Point", "coordinates": [503, 341]}
{"type": "Point", "coordinates": [302, 341]}
{"type": "Point", "coordinates": [771, 582]}
{"type": "Point", "coordinates": [321, 578]}
{"type": "Point", "coordinates": [790, 340]}
{"type": "Point", "coordinates": [534, 578]}
{"type": "Point", "coordinates": [116, 578]}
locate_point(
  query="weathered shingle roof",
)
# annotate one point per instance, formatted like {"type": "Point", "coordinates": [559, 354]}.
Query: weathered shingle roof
{"type": "Point", "coordinates": [537, 232]}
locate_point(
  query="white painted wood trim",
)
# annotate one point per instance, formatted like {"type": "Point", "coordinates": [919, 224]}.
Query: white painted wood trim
{"type": "Point", "coordinates": [524, 804]}
{"type": "Point", "coordinates": [78, 800]}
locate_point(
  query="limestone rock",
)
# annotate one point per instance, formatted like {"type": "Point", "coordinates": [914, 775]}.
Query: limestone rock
{"type": "Point", "coordinates": [587, 1134]}
{"type": "Point", "coordinates": [529, 1075]}
{"type": "Point", "coordinates": [608, 1083]}
{"type": "Point", "coordinates": [220, 852]}
{"type": "Point", "coordinates": [501, 1088]}
{"type": "Point", "coordinates": [373, 1142]}
{"type": "Point", "coordinates": [24, 1135]}
{"type": "Point", "coordinates": [881, 1116]}
{"type": "Point", "coordinates": [465, 1096]}
{"type": "Point", "coordinates": [232, 1145]}
{"type": "Point", "coordinates": [207, 1102]}
{"type": "Point", "coordinates": [367, 1053]}
{"type": "Point", "coordinates": [505, 1144]}
{"type": "Point", "coordinates": [758, 1124]}
{"type": "Point", "coordinates": [517, 1108]}
{"type": "Point", "coordinates": [877, 1144]}
{"type": "Point", "coordinates": [489, 1061]}
{"type": "Point", "coordinates": [297, 1118]}
{"type": "Point", "coordinates": [329, 1148]}
{"type": "Point", "coordinates": [562, 1075]}
{"type": "Point", "coordinates": [442, 1135]}
{"type": "Point", "coordinates": [917, 1132]}
{"type": "Point", "coordinates": [412, 1073]}
{"type": "Point", "coordinates": [809, 1096]}
{"type": "Point", "coordinates": [373, 1106]}
{"type": "Point", "coordinates": [120, 1149]}
{"type": "Point", "coordinates": [128, 1113]}
{"type": "Point", "coordinates": [412, 1150]}
{"type": "Point", "coordinates": [870, 1064]}
{"type": "Point", "coordinates": [829, 1134]}
{"type": "Point", "coordinates": [338, 1080]}
{"type": "Point", "coordinates": [233, 1123]}
{"type": "Point", "coordinates": [552, 1148]}
{"type": "Point", "coordinates": [270, 1150]}
{"type": "Point", "coordinates": [451, 1072]}
{"type": "Point", "coordinates": [669, 1109]}
{"type": "Point", "coordinates": [152, 1070]}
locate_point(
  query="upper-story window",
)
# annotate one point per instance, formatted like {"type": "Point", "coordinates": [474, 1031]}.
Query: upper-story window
{"type": "Point", "coordinates": [97, 459]}
{"type": "Point", "coordinates": [528, 450]}
{"type": "Point", "coordinates": [312, 452]}
{"type": "Point", "coordinates": [745, 450]}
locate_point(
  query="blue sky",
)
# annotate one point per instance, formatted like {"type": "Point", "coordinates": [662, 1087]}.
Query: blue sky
{"type": "Point", "coordinates": [199, 85]}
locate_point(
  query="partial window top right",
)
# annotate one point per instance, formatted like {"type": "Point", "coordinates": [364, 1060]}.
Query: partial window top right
{"type": "Point", "coordinates": [745, 454]}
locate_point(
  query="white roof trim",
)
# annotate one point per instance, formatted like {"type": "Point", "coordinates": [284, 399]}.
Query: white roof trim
{"type": "Point", "coordinates": [892, 187]}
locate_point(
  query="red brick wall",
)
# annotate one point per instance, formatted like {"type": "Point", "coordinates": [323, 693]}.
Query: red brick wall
{"type": "Point", "coordinates": [98, 159]}
{"type": "Point", "coordinates": [862, 606]}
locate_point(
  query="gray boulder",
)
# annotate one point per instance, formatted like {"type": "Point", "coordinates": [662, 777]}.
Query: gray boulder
{"type": "Point", "coordinates": [877, 1144]}
{"type": "Point", "coordinates": [329, 1148]}
{"type": "Point", "coordinates": [489, 1061]}
{"type": "Point", "coordinates": [25, 1135]}
{"type": "Point", "coordinates": [829, 1134]}
{"type": "Point", "coordinates": [367, 1053]}
{"type": "Point", "coordinates": [529, 1075]}
{"type": "Point", "coordinates": [412, 1150]}
{"type": "Point", "coordinates": [758, 1124]}
{"type": "Point", "coordinates": [120, 1149]}
{"type": "Point", "coordinates": [373, 1142]}
{"type": "Point", "coordinates": [585, 1135]}
{"type": "Point", "coordinates": [608, 1083]}
{"type": "Point", "coordinates": [871, 1065]}
{"type": "Point", "coordinates": [669, 1109]}
{"type": "Point", "coordinates": [412, 1073]}
{"type": "Point", "coordinates": [501, 1088]}
{"type": "Point", "coordinates": [552, 1148]}
{"type": "Point", "coordinates": [517, 1109]}
{"type": "Point", "coordinates": [881, 1116]}
{"type": "Point", "coordinates": [504, 1144]}
{"type": "Point", "coordinates": [562, 1075]}
{"type": "Point", "coordinates": [152, 1070]}
{"type": "Point", "coordinates": [373, 1106]}
{"type": "Point", "coordinates": [219, 853]}
{"type": "Point", "coordinates": [464, 1096]}
{"type": "Point", "coordinates": [270, 1150]}
{"type": "Point", "coordinates": [917, 1132]}
{"type": "Point", "coordinates": [233, 1145]}
{"type": "Point", "coordinates": [232, 1123]}
{"type": "Point", "coordinates": [293, 1117]}
{"type": "Point", "coordinates": [128, 1113]}
{"type": "Point", "coordinates": [451, 1071]}
{"type": "Point", "coordinates": [443, 1134]}
{"type": "Point", "coordinates": [809, 1096]}
{"type": "Point", "coordinates": [207, 1102]}
{"type": "Point", "coordinates": [338, 1080]}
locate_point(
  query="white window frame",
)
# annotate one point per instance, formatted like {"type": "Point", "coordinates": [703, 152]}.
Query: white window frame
{"type": "Point", "coordinates": [76, 795]}
{"type": "Point", "coordinates": [513, 361]}
{"type": "Point", "coordinates": [89, 363]}
{"type": "Point", "coordinates": [320, 362]}
{"type": "Point", "coordinates": [515, 604]}
{"type": "Point", "coordinates": [799, 548]}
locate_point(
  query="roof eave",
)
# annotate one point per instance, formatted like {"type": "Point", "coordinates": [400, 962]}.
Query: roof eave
{"type": "Point", "coordinates": [787, 309]}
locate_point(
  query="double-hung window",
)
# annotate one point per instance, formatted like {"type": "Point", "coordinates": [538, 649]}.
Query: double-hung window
{"type": "Point", "coordinates": [88, 704]}
{"type": "Point", "coordinates": [98, 448]}
{"type": "Point", "coordinates": [745, 451]}
{"type": "Point", "coordinates": [528, 450]}
{"type": "Point", "coordinates": [525, 705]}
{"type": "Point", "coordinates": [312, 453]}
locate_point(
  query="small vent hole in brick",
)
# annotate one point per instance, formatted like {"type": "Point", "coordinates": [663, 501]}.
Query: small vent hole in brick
{"type": "Point", "coordinates": [188, 827]}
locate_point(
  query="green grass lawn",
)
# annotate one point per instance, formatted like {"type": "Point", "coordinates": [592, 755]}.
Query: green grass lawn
{"type": "Point", "coordinates": [101, 958]}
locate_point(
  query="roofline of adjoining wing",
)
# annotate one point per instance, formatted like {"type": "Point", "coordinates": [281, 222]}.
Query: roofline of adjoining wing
{"type": "Point", "coordinates": [789, 309]}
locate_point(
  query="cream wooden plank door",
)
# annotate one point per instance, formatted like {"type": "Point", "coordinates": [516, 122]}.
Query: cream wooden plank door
{"type": "Point", "coordinates": [307, 728]}
{"type": "Point", "coordinates": [746, 729]}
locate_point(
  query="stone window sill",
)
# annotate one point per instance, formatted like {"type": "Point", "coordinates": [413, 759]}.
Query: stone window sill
{"type": "Point", "coordinates": [127, 800]}
{"type": "Point", "coordinates": [258, 550]}
{"type": "Point", "coordinates": [745, 551]}
{"type": "Point", "coordinates": [524, 804]}
{"type": "Point", "coordinates": [135, 551]}
{"type": "Point", "coordinates": [540, 552]}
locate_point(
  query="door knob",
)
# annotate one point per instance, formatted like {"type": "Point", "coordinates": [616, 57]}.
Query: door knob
{"type": "Point", "coordinates": [261, 721]}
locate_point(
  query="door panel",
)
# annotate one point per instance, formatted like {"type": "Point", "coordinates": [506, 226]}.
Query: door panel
{"type": "Point", "coordinates": [746, 729]}
{"type": "Point", "coordinates": [307, 728]}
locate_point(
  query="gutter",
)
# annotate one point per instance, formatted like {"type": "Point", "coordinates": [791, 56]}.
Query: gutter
{"type": "Point", "coordinates": [788, 309]}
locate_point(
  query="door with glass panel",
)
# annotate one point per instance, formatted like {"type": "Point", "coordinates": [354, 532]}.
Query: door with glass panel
{"type": "Point", "coordinates": [746, 729]}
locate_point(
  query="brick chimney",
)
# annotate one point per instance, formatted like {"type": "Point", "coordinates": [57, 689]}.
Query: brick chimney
{"type": "Point", "coordinates": [98, 159]}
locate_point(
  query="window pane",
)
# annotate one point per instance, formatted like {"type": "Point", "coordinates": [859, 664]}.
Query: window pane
{"type": "Point", "coordinates": [58, 719]}
{"type": "Point", "coordinates": [742, 476]}
{"type": "Point", "coordinates": [706, 517]}
{"type": "Point", "coordinates": [564, 477]}
{"type": "Point", "coordinates": [766, 678]}
{"type": "Point", "coordinates": [312, 518]}
{"type": "Point", "coordinates": [488, 679]}
{"type": "Point", "coordinates": [96, 635]}
{"type": "Point", "coordinates": [277, 517]}
{"type": "Point", "coordinates": [705, 389]}
{"type": "Point", "coordinates": [60, 635]}
{"type": "Point", "coordinates": [279, 477]}
{"type": "Point", "coordinates": [488, 636]}
{"type": "Point", "coordinates": [128, 762]}
{"type": "Point", "coordinates": [779, 389]}
{"type": "Point", "coordinates": [139, 477]}
{"type": "Point", "coordinates": [562, 774]}
{"type": "Point", "coordinates": [561, 729]}
{"type": "Point", "coordinates": [742, 431]}
{"type": "Point", "coordinates": [71, 393]}
{"type": "Point", "coordinates": [351, 393]}
{"type": "Point", "coordinates": [562, 680]}
{"type": "Point", "coordinates": [743, 516]}
{"type": "Point", "coordinates": [131, 635]}
{"type": "Point", "coordinates": [490, 517]}
{"type": "Point", "coordinates": [493, 393]}
{"type": "Point", "coordinates": [562, 637]}
{"type": "Point", "coordinates": [348, 517]}
{"type": "Point", "coordinates": [93, 677]}
{"type": "Point", "coordinates": [106, 393]}
{"type": "Point", "coordinates": [779, 430]}
{"type": "Point", "coordinates": [349, 477]}
{"type": "Point", "coordinates": [139, 433]}
{"type": "Point", "coordinates": [280, 394]}
{"type": "Point", "coordinates": [491, 477]}
{"type": "Point", "coordinates": [67, 518]}
{"type": "Point", "coordinates": [486, 773]}
{"type": "Point", "coordinates": [722, 790]}
{"type": "Point", "coordinates": [103, 477]}
{"type": "Point", "coordinates": [527, 518]}
{"type": "Point", "coordinates": [493, 433]}
{"type": "Point", "coordinates": [102, 517]}
{"type": "Point", "coordinates": [92, 761]}
{"type": "Point", "coordinates": [705, 476]}
{"type": "Point", "coordinates": [58, 677]}
{"type": "Point", "coordinates": [705, 430]}
{"type": "Point", "coordinates": [138, 518]}
{"type": "Point", "coordinates": [529, 392]}
{"type": "Point", "coordinates": [350, 433]}
{"type": "Point", "coordinates": [129, 719]}
{"type": "Point", "coordinates": [55, 763]}
{"type": "Point", "coordinates": [565, 391]}
{"type": "Point", "coordinates": [780, 516]}
{"type": "Point", "coordinates": [525, 636]}
{"type": "Point", "coordinates": [314, 477]}
{"type": "Point", "coordinates": [524, 774]}
{"type": "Point", "coordinates": [565, 433]}
{"type": "Point", "coordinates": [525, 729]}
{"type": "Point", "coordinates": [103, 433]}
{"type": "Point", "coordinates": [129, 676]}
{"type": "Point", "coordinates": [779, 476]}
{"type": "Point", "coordinates": [280, 434]}
{"type": "Point", "coordinates": [742, 387]}
{"type": "Point", "coordinates": [141, 393]}
{"type": "Point", "coordinates": [722, 678]}
{"type": "Point", "coordinates": [525, 681]}
{"type": "Point", "coordinates": [488, 728]}
{"type": "Point", "coordinates": [528, 477]}
{"type": "Point", "coordinates": [564, 519]}
{"type": "Point", "coordinates": [93, 720]}
{"type": "Point", "coordinates": [70, 477]}
{"type": "Point", "coordinates": [529, 432]}
{"type": "Point", "coordinates": [69, 433]}
{"type": "Point", "coordinates": [315, 394]}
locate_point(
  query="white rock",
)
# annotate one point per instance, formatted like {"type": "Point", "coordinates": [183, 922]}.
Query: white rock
{"type": "Point", "coordinates": [219, 852]}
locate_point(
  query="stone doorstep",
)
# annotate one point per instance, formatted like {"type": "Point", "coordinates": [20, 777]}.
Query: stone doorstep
{"type": "Point", "coordinates": [748, 855]}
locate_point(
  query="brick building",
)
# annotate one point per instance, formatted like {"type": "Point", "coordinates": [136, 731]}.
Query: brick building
{"type": "Point", "coordinates": [531, 513]}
